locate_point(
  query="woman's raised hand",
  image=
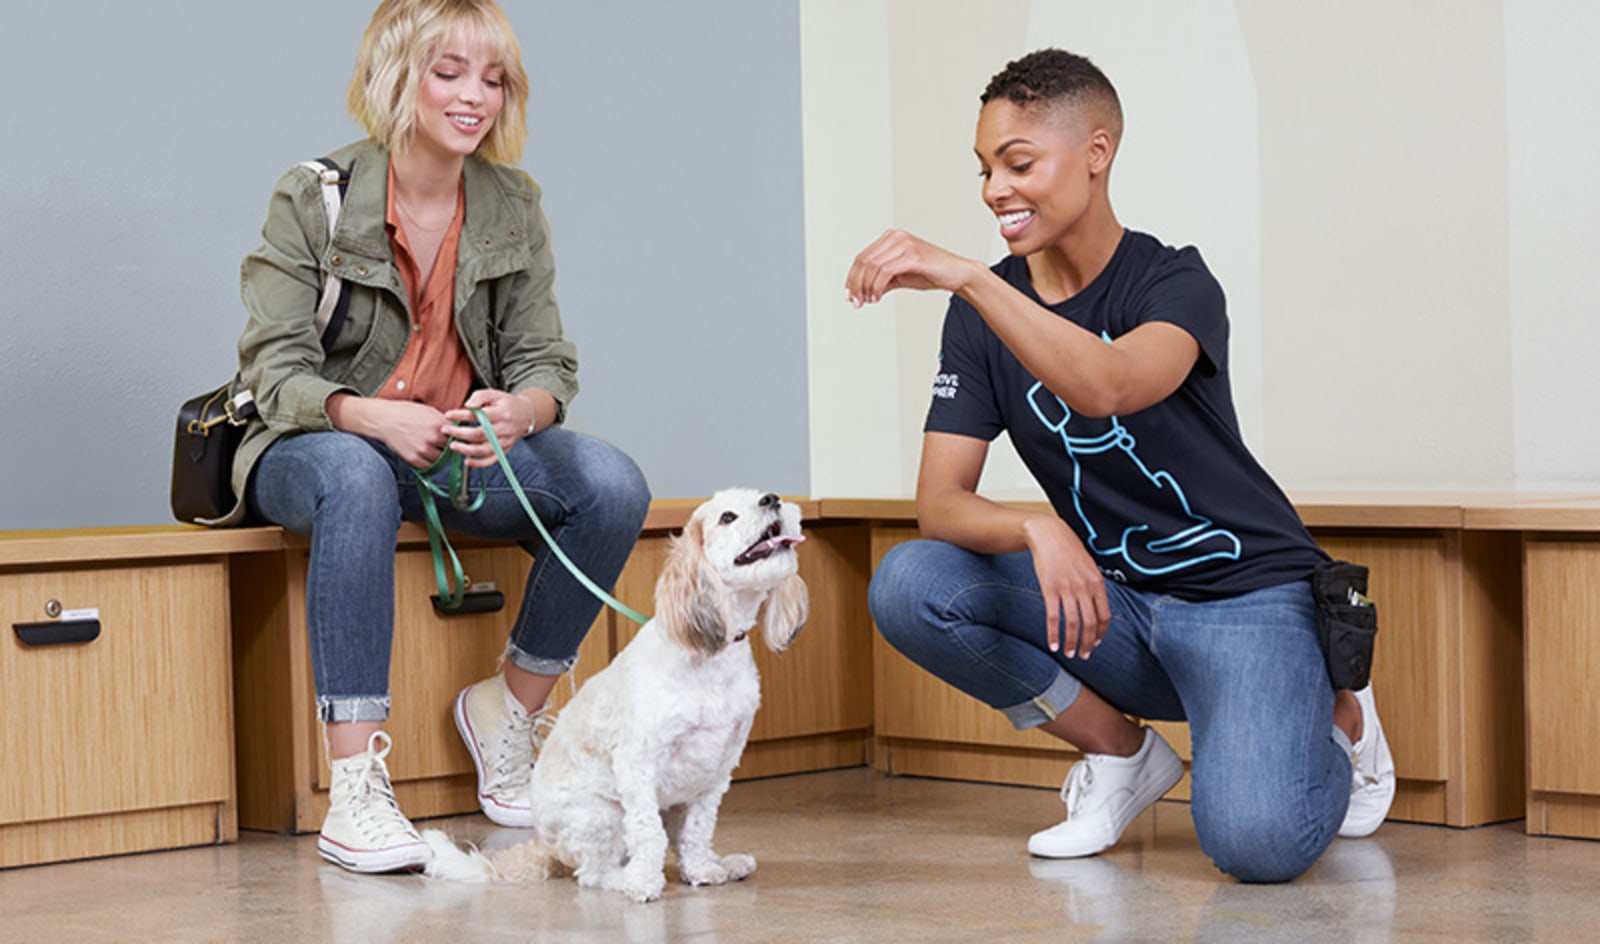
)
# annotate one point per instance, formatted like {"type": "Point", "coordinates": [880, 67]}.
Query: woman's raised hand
{"type": "Point", "coordinates": [898, 259]}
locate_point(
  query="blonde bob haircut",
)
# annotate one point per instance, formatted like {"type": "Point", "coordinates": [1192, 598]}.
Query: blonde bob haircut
{"type": "Point", "coordinates": [401, 44]}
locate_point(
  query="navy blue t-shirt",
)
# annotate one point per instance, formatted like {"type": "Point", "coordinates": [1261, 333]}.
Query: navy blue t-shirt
{"type": "Point", "coordinates": [1168, 499]}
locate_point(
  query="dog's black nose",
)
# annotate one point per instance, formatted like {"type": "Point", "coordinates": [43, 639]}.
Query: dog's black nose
{"type": "Point", "coordinates": [770, 500]}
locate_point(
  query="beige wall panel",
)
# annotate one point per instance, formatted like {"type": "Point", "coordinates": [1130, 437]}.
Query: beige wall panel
{"type": "Point", "coordinates": [856, 423]}
{"type": "Point", "coordinates": [1384, 202]}
{"type": "Point", "coordinates": [1554, 135]}
{"type": "Point", "coordinates": [942, 54]}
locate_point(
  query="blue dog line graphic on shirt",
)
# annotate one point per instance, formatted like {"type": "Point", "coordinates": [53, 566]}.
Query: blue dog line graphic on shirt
{"type": "Point", "coordinates": [1175, 538]}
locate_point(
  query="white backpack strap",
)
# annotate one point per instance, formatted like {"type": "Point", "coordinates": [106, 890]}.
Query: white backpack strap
{"type": "Point", "coordinates": [331, 202]}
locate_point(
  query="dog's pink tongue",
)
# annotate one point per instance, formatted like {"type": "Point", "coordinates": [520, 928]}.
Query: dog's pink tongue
{"type": "Point", "coordinates": [773, 544]}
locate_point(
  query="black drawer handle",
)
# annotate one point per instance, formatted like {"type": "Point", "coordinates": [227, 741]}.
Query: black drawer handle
{"type": "Point", "coordinates": [473, 601]}
{"type": "Point", "coordinates": [57, 632]}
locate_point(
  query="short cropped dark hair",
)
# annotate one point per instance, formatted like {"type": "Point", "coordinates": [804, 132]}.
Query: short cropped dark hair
{"type": "Point", "coordinates": [1050, 76]}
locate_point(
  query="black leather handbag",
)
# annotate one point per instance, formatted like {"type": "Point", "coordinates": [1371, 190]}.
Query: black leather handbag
{"type": "Point", "coordinates": [211, 425]}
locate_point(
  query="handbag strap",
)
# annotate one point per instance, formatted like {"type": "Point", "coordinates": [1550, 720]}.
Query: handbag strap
{"type": "Point", "coordinates": [334, 306]}
{"type": "Point", "coordinates": [457, 492]}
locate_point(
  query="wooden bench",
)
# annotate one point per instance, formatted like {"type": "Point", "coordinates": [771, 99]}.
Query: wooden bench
{"type": "Point", "coordinates": [1560, 568]}
{"type": "Point", "coordinates": [192, 714]}
{"type": "Point", "coordinates": [123, 743]}
{"type": "Point", "coordinates": [132, 742]}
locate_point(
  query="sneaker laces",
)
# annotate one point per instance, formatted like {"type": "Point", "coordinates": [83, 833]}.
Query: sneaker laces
{"type": "Point", "coordinates": [1080, 780]}
{"type": "Point", "coordinates": [543, 723]}
{"type": "Point", "coordinates": [518, 739]}
{"type": "Point", "coordinates": [1360, 777]}
{"type": "Point", "coordinates": [374, 811]}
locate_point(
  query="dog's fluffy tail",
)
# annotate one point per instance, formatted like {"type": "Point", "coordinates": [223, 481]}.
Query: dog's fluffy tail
{"type": "Point", "coordinates": [451, 863]}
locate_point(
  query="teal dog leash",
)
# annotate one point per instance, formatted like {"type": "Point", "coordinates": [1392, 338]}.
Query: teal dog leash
{"type": "Point", "coordinates": [457, 492]}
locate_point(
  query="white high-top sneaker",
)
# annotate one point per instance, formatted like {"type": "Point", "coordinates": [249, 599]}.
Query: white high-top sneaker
{"type": "Point", "coordinates": [365, 830]}
{"type": "Point", "coordinates": [503, 738]}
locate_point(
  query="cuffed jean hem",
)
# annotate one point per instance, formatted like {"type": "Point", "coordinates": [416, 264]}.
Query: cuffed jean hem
{"type": "Point", "coordinates": [345, 709]}
{"type": "Point", "coordinates": [1046, 705]}
{"type": "Point", "coordinates": [538, 665]}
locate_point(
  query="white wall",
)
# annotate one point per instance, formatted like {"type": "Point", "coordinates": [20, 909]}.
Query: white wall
{"type": "Point", "coordinates": [1385, 278]}
{"type": "Point", "coordinates": [1189, 170]}
{"type": "Point", "coordinates": [854, 390]}
{"type": "Point", "coordinates": [1399, 199]}
{"type": "Point", "coordinates": [1553, 100]}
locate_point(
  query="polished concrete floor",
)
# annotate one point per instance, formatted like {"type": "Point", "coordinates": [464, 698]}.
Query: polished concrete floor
{"type": "Point", "coordinates": [850, 856]}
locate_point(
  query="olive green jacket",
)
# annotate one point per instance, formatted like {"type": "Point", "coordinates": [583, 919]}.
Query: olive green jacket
{"type": "Point", "coordinates": [505, 306]}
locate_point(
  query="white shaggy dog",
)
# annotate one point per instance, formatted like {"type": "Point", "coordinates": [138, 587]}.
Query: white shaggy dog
{"type": "Point", "coordinates": [644, 752]}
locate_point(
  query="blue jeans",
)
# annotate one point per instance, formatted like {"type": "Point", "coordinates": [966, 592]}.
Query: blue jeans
{"type": "Point", "coordinates": [348, 494]}
{"type": "Point", "coordinates": [1270, 774]}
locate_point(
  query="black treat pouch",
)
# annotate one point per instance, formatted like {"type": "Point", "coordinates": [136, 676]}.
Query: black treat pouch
{"type": "Point", "coordinates": [1347, 621]}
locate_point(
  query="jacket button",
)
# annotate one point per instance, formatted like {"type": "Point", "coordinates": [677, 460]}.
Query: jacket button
{"type": "Point", "coordinates": [336, 260]}
{"type": "Point", "coordinates": [361, 270]}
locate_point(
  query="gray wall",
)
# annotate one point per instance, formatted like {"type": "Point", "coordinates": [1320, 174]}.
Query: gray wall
{"type": "Point", "coordinates": [144, 139]}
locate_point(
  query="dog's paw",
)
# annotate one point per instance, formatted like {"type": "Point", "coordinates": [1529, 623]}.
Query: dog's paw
{"type": "Point", "coordinates": [643, 888]}
{"type": "Point", "coordinates": [591, 877]}
{"type": "Point", "coordinates": [718, 871]}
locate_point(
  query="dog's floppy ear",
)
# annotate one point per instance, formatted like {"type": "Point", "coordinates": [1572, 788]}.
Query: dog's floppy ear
{"type": "Point", "coordinates": [784, 614]}
{"type": "Point", "coordinates": [691, 602]}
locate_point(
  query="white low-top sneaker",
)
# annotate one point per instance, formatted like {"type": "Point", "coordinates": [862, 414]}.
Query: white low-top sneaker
{"type": "Point", "coordinates": [1105, 793]}
{"type": "Point", "coordinates": [365, 830]}
{"type": "Point", "coordinates": [504, 739]}
{"type": "Point", "coordinates": [1372, 778]}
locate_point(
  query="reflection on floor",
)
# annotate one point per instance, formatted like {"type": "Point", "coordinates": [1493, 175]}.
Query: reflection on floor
{"type": "Point", "coordinates": [850, 856]}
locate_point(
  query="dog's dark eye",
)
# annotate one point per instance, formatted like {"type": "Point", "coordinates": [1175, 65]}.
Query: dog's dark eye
{"type": "Point", "coordinates": [728, 517]}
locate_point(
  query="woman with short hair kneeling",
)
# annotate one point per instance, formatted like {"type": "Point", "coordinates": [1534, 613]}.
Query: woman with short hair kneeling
{"type": "Point", "coordinates": [1172, 580]}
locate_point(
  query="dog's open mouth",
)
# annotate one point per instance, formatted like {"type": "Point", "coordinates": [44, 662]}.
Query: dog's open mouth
{"type": "Point", "coordinates": [771, 542]}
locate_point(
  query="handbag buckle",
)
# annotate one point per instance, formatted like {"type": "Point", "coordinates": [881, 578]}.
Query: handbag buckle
{"type": "Point", "coordinates": [236, 411]}
{"type": "Point", "coordinates": [241, 408]}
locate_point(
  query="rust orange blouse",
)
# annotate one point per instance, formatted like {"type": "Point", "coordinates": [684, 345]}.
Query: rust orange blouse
{"type": "Point", "coordinates": [434, 368]}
